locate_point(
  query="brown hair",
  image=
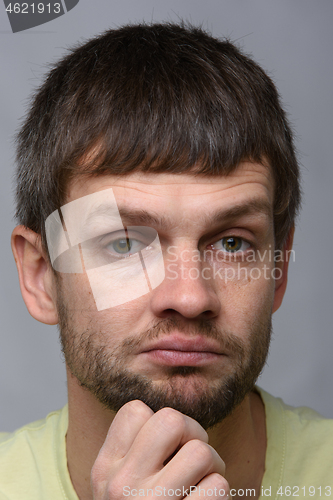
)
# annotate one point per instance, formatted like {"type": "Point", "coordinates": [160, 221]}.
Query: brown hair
{"type": "Point", "coordinates": [154, 98]}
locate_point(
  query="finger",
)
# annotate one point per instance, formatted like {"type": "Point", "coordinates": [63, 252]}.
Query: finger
{"type": "Point", "coordinates": [164, 433]}
{"type": "Point", "coordinates": [193, 462]}
{"type": "Point", "coordinates": [212, 486]}
{"type": "Point", "coordinates": [127, 423]}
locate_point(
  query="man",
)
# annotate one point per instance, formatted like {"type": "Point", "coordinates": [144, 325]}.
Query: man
{"type": "Point", "coordinates": [157, 195]}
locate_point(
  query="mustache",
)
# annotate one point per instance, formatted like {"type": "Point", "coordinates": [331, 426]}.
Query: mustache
{"type": "Point", "coordinates": [206, 328]}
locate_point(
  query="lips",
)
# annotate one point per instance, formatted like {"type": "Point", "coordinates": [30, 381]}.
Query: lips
{"type": "Point", "coordinates": [176, 350]}
{"type": "Point", "coordinates": [185, 344]}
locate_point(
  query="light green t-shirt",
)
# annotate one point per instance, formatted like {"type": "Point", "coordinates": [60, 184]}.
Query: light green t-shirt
{"type": "Point", "coordinates": [299, 457]}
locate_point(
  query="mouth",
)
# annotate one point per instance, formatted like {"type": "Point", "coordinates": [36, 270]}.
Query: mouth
{"type": "Point", "coordinates": [176, 350]}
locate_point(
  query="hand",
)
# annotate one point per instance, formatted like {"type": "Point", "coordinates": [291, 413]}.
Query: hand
{"type": "Point", "coordinates": [165, 452]}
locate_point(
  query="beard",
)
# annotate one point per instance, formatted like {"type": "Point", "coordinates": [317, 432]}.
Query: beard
{"type": "Point", "coordinates": [103, 371]}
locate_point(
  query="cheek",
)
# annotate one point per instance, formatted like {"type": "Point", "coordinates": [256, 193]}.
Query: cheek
{"type": "Point", "coordinates": [245, 302]}
{"type": "Point", "coordinates": [76, 293]}
{"type": "Point", "coordinates": [128, 319]}
{"type": "Point", "coordinates": [79, 301]}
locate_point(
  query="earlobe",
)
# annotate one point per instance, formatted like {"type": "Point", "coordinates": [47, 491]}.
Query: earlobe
{"type": "Point", "coordinates": [282, 275]}
{"type": "Point", "coordinates": [35, 275]}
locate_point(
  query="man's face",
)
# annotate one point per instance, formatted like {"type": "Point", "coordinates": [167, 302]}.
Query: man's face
{"type": "Point", "coordinates": [198, 341]}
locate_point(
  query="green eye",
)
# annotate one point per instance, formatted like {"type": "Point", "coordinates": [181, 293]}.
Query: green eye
{"type": "Point", "coordinates": [122, 245]}
{"type": "Point", "coordinates": [232, 244]}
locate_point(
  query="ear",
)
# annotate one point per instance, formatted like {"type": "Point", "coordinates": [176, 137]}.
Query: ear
{"type": "Point", "coordinates": [36, 277]}
{"type": "Point", "coordinates": [282, 270]}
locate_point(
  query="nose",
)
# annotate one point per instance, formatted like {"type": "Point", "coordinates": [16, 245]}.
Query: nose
{"type": "Point", "coordinates": [188, 289]}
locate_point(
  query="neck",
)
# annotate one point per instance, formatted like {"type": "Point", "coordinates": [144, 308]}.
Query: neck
{"type": "Point", "coordinates": [240, 440]}
{"type": "Point", "coordinates": [88, 424]}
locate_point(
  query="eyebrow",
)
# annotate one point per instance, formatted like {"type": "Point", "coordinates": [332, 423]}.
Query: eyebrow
{"type": "Point", "coordinates": [251, 207]}
{"type": "Point", "coordinates": [256, 206]}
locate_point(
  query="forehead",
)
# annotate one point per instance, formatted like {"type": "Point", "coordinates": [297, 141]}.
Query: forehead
{"type": "Point", "coordinates": [182, 191]}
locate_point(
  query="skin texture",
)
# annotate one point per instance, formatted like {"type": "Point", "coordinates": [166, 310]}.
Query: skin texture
{"type": "Point", "coordinates": [238, 314]}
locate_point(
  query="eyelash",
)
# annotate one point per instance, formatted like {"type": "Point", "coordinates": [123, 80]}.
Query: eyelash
{"type": "Point", "coordinates": [132, 241]}
{"type": "Point", "coordinates": [111, 239]}
{"type": "Point", "coordinates": [234, 253]}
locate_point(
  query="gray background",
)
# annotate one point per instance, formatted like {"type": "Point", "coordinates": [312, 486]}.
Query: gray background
{"type": "Point", "coordinates": [292, 40]}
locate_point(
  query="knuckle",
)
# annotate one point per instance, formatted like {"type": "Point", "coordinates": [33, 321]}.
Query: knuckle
{"type": "Point", "coordinates": [97, 481]}
{"type": "Point", "coordinates": [111, 488]}
{"type": "Point", "coordinates": [199, 451]}
{"type": "Point", "coordinates": [97, 474]}
{"type": "Point", "coordinates": [106, 482]}
{"type": "Point", "coordinates": [136, 408]}
{"type": "Point", "coordinates": [115, 488]}
{"type": "Point", "coordinates": [172, 420]}
{"type": "Point", "coordinates": [219, 482]}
